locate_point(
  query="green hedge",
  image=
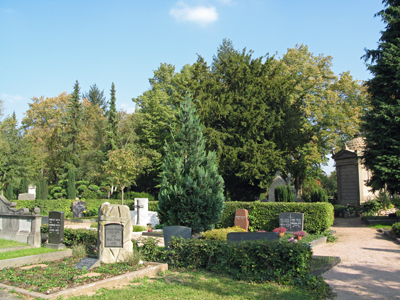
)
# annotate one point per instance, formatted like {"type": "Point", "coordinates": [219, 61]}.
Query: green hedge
{"type": "Point", "coordinates": [64, 205]}
{"type": "Point", "coordinates": [396, 229]}
{"type": "Point", "coordinates": [318, 217]}
{"type": "Point", "coordinates": [74, 237]}
{"type": "Point", "coordinates": [253, 260]}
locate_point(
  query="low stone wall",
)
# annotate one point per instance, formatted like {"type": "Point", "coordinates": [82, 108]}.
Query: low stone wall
{"type": "Point", "coordinates": [21, 228]}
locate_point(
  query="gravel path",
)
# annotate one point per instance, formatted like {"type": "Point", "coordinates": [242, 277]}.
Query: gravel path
{"type": "Point", "coordinates": [370, 267]}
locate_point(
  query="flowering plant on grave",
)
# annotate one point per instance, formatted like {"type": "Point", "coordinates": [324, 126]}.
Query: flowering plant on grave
{"type": "Point", "coordinates": [292, 240]}
{"type": "Point", "coordinates": [299, 233]}
{"type": "Point", "coordinates": [279, 230]}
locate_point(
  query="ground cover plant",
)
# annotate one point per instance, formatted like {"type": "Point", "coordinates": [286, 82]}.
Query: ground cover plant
{"type": "Point", "coordinates": [9, 244]}
{"type": "Point", "coordinates": [196, 284]}
{"type": "Point", "coordinates": [59, 275]}
{"type": "Point", "coordinates": [25, 252]}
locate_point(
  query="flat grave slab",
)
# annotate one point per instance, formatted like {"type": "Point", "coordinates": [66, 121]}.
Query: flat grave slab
{"type": "Point", "coordinates": [88, 263]}
{"type": "Point", "coordinates": [251, 236]}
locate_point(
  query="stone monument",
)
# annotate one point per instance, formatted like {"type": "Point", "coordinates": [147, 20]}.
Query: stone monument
{"type": "Point", "coordinates": [56, 230]}
{"type": "Point", "coordinates": [114, 233]}
{"type": "Point", "coordinates": [78, 207]}
{"type": "Point", "coordinates": [292, 221]}
{"type": "Point", "coordinates": [242, 219]}
{"type": "Point", "coordinates": [278, 181]}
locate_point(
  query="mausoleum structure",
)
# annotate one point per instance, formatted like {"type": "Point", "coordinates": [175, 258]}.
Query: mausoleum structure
{"type": "Point", "coordinates": [352, 174]}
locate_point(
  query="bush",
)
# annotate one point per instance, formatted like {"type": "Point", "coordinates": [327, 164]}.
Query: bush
{"type": "Point", "coordinates": [75, 237]}
{"type": "Point", "coordinates": [319, 195]}
{"type": "Point", "coordinates": [318, 217]}
{"type": "Point", "coordinates": [220, 234]}
{"type": "Point", "coordinates": [88, 194]}
{"type": "Point", "coordinates": [284, 193]}
{"type": "Point", "coordinates": [258, 261]}
{"type": "Point", "coordinates": [138, 228]}
{"type": "Point", "coordinates": [396, 229]}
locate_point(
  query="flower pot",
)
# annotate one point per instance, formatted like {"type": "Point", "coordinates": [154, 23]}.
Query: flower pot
{"type": "Point", "coordinates": [299, 237]}
{"type": "Point", "coordinates": [281, 234]}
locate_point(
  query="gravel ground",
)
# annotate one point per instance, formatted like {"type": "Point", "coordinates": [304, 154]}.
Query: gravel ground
{"type": "Point", "coordinates": [370, 267]}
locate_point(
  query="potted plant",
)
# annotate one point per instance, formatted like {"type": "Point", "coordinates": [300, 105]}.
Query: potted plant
{"type": "Point", "coordinates": [299, 234]}
{"type": "Point", "coordinates": [280, 230]}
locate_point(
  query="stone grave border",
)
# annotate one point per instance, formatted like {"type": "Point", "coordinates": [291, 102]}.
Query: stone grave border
{"type": "Point", "coordinates": [121, 280]}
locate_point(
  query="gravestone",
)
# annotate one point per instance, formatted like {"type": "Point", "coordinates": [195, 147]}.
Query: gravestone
{"type": "Point", "coordinates": [88, 263]}
{"type": "Point", "coordinates": [56, 230]}
{"type": "Point", "coordinates": [251, 236]}
{"type": "Point", "coordinates": [78, 207]}
{"type": "Point", "coordinates": [170, 231]}
{"type": "Point", "coordinates": [291, 221]}
{"type": "Point", "coordinates": [278, 181]}
{"type": "Point", "coordinates": [114, 233]}
{"type": "Point", "coordinates": [26, 196]}
{"type": "Point", "coordinates": [242, 219]}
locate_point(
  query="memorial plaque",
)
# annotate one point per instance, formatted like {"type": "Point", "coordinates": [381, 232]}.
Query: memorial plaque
{"type": "Point", "coordinates": [252, 236]}
{"type": "Point", "coordinates": [56, 227]}
{"type": "Point", "coordinates": [291, 221]}
{"type": "Point", "coordinates": [88, 263]}
{"type": "Point", "coordinates": [114, 235]}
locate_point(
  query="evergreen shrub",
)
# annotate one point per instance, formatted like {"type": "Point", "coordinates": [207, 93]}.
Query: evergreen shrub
{"type": "Point", "coordinates": [396, 229]}
{"type": "Point", "coordinates": [88, 194]}
{"type": "Point", "coordinates": [220, 234]}
{"type": "Point", "coordinates": [318, 217]}
{"type": "Point", "coordinates": [257, 261]}
{"type": "Point", "coordinates": [319, 195]}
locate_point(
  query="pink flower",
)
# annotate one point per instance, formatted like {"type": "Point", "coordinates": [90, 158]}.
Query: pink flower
{"type": "Point", "coordinates": [279, 229]}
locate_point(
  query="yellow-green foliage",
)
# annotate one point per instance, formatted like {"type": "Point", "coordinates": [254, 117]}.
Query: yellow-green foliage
{"type": "Point", "coordinates": [220, 234]}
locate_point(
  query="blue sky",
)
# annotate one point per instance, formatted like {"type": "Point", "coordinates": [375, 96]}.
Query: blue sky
{"type": "Point", "coordinates": [45, 46]}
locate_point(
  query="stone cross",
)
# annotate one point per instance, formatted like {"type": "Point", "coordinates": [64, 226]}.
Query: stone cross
{"type": "Point", "coordinates": [138, 210]}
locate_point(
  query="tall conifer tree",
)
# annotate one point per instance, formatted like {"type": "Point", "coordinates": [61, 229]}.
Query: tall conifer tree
{"type": "Point", "coordinates": [71, 192]}
{"type": "Point", "coordinates": [191, 191]}
{"type": "Point", "coordinates": [382, 123]}
{"type": "Point", "coordinates": [112, 127]}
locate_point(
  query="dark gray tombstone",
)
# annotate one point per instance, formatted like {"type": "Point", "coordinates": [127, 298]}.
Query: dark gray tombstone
{"type": "Point", "coordinates": [114, 236]}
{"type": "Point", "coordinates": [88, 263]}
{"type": "Point", "coordinates": [291, 221]}
{"type": "Point", "coordinates": [56, 230]}
{"type": "Point", "coordinates": [78, 207]}
{"type": "Point", "coordinates": [252, 236]}
{"type": "Point", "coordinates": [170, 231]}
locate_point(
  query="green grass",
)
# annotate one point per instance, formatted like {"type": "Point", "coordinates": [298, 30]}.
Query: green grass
{"type": "Point", "coordinates": [378, 226]}
{"type": "Point", "coordinates": [25, 252]}
{"type": "Point", "coordinates": [306, 239]}
{"type": "Point", "coordinates": [201, 285]}
{"type": "Point", "coordinates": [10, 244]}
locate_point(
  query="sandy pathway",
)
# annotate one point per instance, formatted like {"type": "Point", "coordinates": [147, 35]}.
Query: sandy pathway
{"type": "Point", "coordinates": [370, 267]}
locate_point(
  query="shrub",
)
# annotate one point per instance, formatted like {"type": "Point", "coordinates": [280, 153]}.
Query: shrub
{"type": "Point", "coordinates": [88, 194]}
{"type": "Point", "coordinates": [281, 194]}
{"type": "Point", "coordinates": [396, 229]}
{"type": "Point", "coordinates": [319, 195]}
{"type": "Point", "coordinates": [318, 217]}
{"type": "Point", "coordinates": [258, 261]}
{"type": "Point", "coordinates": [220, 234]}
{"type": "Point", "coordinates": [138, 228]}
{"type": "Point", "coordinates": [151, 251]}
{"type": "Point", "coordinates": [79, 251]}
{"type": "Point", "coordinates": [133, 259]}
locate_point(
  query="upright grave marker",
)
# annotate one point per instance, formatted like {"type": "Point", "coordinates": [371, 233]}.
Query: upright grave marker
{"type": "Point", "coordinates": [56, 230]}
{"type": "Point", "coordinates": [181, 231]}
{"type": "Point", "coordinates": [242, 219]}
{"type": "Point", "coordinates": [78, 207]}
{"type": "Point", "coordinates": [291, 221]}
{"type": "Point", "coordinates": [115, 233]}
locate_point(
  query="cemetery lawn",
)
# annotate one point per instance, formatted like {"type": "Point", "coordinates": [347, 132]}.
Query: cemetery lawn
{"type": "Point", "coordinates": [10, 244]}
{"type": "Point", "coordinates": [378, 226]}
{"type": "Point", "coordinates": [59, 275]}
{"type": "Point", "coordinates": [25, 252]}
{"type": "Point", "coordinates": [201, 285]}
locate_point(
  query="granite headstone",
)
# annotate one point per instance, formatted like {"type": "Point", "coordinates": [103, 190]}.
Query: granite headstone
{"type": "Point", "coordinates": [170, 231]}
{"type": "Point", "coordinates": [78, 207]}
{"type": "Point", "coordinates": [242, 219]}
{"type": "Point", "coordinates": [56, 230]}
{"type": "Point", "coordinates": [251, 236]}
{"type": "Point", "coordinates": [292, 221]}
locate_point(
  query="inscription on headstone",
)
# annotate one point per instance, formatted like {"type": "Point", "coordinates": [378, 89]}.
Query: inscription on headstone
{"type": "Point", "coordinates": [88, 263]}
{"type": "Point", "coordinates": [56, 227]}
{"type": "Point", "coordinates": [114, 235]}
{"type": "Point", "coordinates": [242, 219]}
{"type": "Point", "coordinates": [78, 207]}
{"type": "Point", "coordinates": [291, 221]}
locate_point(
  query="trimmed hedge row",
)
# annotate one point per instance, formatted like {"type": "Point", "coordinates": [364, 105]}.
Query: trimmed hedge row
{"type": "Point", "coordinates": [318, 217]}
{"type": "Point", "coordinates": [259, 261]}
{"type": "Point", "coordinates": [73, 237]}
{"type": "Point", "coordinates": [64, 205]}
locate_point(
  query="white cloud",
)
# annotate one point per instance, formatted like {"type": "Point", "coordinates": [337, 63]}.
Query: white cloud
{"type": "Point", "coordinates": [127, 108]}
{"type": "Point", "coordinates": [11, 98]}
{"type": "Point", "coordinates": [199, 14]}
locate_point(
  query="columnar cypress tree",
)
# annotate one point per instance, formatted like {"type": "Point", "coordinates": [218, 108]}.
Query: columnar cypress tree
{"type": "Point", "coordinates": [24, 185]}
{"type": "Point", "coordinates": [71, 192]}
{"type": "Point", "coordinates": [41, 188]}
{"type": "Point", "coordinates": [9, 191]}
{"type": "Point", "coordinates": [191, 191]}
{"type": "Point", "coordinates": [381, 124]}
{"type": "Point", "coordinates": [112, 127]}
